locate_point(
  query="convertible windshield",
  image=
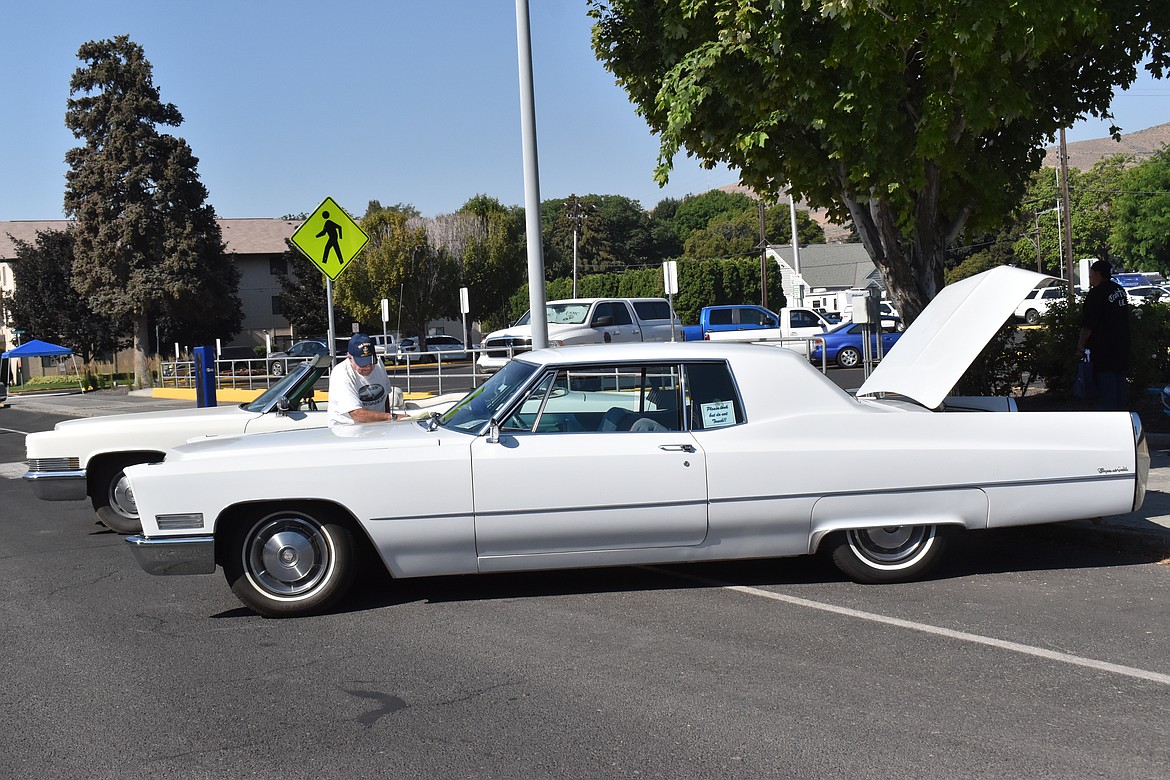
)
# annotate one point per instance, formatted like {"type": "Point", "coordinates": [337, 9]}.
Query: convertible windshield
{"type": "Point", "coordinates": [487, 401]}
{"type": "Point", "coordinates": [293, 386]}
{"type": "Point", "coordinates": [561, 314]}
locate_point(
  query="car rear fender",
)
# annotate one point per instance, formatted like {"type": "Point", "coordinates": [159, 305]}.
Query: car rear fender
{"type": "Point", "coordinates": [966, 507]}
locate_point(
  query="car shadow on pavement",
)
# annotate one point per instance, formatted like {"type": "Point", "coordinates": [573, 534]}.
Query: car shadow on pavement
{"type": "Point", "coordinates": [1020, 549]}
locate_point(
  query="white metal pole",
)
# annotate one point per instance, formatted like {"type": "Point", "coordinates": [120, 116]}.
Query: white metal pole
{"type": "Point", "coordinates": [795, 250]}
{"type": "Point", "coordinates": [536, 295]}
{"type": "Point", "coordinates": [329, 307]}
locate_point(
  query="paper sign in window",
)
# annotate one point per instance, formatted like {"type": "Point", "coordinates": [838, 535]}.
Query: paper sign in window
{"type": "Point", "coordinates": [717, 414]}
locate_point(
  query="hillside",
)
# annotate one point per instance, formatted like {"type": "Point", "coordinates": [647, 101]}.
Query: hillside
{"type": "Point", "coordinates": [1083, 154]}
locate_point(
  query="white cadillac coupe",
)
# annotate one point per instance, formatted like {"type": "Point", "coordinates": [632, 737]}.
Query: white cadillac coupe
{"type": "Point", "coordinates": [608, 455]}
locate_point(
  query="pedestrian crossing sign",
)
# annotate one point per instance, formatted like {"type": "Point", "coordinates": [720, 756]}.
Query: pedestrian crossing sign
{"type": "Point", "coordinates": [330, 238]}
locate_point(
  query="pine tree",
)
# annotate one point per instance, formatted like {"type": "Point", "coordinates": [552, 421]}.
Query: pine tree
{"type": "Point", "coordinates": [147, 245]}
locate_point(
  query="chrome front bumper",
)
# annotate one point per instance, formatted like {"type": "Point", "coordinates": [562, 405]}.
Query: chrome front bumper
{"type": "Point", "coordinates": [57, 485]}
{"type": "Point", "coordinates": [174, 554]}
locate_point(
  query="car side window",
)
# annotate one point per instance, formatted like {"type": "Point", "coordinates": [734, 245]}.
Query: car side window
{"type": "Point", "coordinates": [802, 319]}
{"type": "Point", "coordinates": [719, 316]}
{"type": "Point", "coordinates": [711, 397]}
{"type": "Point", "coordinates": [753, 317]}
{"type": "Point", "coordinates": [603, 399]}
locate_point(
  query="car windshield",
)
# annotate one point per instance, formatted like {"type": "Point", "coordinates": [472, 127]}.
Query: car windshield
{"type": "Point", "coordinates": [561, 314]}
{"type": "Point", "coordinates": [486, 401]}
{"type": "Point", "coordinates": [296, 384]}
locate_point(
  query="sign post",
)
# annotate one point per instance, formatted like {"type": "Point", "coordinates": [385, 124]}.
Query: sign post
{"type": "Point", "coordinates": [464, 307]}
{"type": "Point", "coordinates": [331, 240]}
{"type": "Point", "coordinates": [670, 284]}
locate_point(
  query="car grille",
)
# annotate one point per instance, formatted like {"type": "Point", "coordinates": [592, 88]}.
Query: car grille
{"type": "Point", "coordinates": [507, 346]}
{"type": "Point", "coordinates": [53, 464]}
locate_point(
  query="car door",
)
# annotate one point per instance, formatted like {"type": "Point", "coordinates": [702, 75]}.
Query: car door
{"type": "Point", "coordinates": [621, 327]}
{"type": "Point", "coordinates": [568, 475]}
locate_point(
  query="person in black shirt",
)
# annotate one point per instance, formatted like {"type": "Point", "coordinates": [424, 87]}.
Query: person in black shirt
{"type": "Point", "coordinates": [1105, 333]}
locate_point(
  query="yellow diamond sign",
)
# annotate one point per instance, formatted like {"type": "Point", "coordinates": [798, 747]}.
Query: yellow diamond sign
{"type": "Point", "coordinates": [330, 238]}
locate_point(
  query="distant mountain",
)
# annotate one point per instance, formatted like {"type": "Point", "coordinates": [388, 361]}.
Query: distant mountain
{"type": "Point", "coordinates": [1082, 155]}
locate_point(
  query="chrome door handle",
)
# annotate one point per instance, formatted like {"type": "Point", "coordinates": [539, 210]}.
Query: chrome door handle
{"type": "Point", "coordinates": [677, 447]}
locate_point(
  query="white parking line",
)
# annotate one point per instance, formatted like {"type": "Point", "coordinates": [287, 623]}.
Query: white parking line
{"type": "Point", "coordinates": [1016, 647]}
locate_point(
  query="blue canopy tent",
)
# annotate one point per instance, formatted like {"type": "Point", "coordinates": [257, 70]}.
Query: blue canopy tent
{"type": "Point", "coordinates": [38, 348]}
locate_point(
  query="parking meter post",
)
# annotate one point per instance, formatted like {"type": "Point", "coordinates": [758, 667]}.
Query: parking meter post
{"type": "Point", "coordinates": [204, 377]}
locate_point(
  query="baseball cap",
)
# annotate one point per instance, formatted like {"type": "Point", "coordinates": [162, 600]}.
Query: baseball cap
{"type": "Point", "coordinates": [361, 349]}
{"type": "Point", "coordinates": [1102, 267]}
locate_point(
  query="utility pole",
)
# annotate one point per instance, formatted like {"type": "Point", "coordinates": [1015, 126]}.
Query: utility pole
{"type": "Point", "coordinates": [577, 213]}
{"type": "Point", "coordinates": [763, 259]}
{"type": "Point", "coordinates": [1064, 209]}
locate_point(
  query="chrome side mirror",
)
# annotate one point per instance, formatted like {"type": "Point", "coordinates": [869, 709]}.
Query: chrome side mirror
{"type": "Point", "coordinates": [283, 406]}
{"type": "Point", "coordinates": [493, 436]}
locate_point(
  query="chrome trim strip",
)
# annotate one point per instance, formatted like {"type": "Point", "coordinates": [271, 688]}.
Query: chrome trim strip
{"type": "Point", "coordinates": [57, 485]}
{"type": "Point", "coordinates": [174, 554]}
{"type": "Point", "coordinates": [933, 488]}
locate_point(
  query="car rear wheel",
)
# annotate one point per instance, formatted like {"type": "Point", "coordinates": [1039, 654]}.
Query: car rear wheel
{"type": "Point", "coordinates": [888, 554]}
{"type": "Point", "coordinates": [277, 368]}
{"type": "Point", "coordinates": [848, 357]}
{"type": "Point", "coordinates": [1032, 317]}
{"type": "Point", "coordinates": [290, 562]}
{"type": "Point", "coordinates": [112, 499]}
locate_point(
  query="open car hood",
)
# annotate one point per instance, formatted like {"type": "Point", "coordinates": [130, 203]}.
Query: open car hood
{"type": "Point", "coordinates": [931, 356]}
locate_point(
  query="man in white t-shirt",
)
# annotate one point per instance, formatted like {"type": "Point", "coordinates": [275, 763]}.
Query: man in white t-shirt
{"type": "Point", "coordinates": [359, 390]}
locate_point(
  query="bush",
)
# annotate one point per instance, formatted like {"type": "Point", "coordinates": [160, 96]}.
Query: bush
{"type": "Point", "coordinates": [1049, 353]}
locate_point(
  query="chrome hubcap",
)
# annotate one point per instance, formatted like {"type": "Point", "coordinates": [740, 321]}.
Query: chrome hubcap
{"type": "Point", "coordinates": [122, 498]}
{"type": "Point", "coordinates": [288, 556]}
{"type": "Point", "coordinates": [892, 547]}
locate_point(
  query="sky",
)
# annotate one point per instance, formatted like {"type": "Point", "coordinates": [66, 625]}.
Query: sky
{"type": "Point", "coordinates": [286, 102]}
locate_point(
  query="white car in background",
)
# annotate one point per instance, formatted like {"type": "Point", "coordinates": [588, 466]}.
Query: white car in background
{"type": "Point", "coordinates": [1035, 306]}
{"type": "Point", "coordinates": [648, 453]}
{"type": "Point", "coordinates": [88, 457]}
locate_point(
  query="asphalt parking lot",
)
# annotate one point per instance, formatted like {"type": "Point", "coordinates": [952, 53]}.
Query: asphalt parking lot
{"type": "Point", "coordinates": [1032, 652]}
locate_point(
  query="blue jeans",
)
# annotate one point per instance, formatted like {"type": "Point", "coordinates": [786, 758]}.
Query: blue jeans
{"type": "Point", "coordinates": [1112, 391]}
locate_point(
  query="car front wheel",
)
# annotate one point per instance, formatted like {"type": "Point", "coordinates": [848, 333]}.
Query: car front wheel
{"type": "Point", "coordinates": [890, 553]}
{"type": "Point", "coordinates": [277, 368]}
{"type": "Point", "coordinates": [848, 357]}
{"type": "Point", "coordinates": [289, 563]}
{"type": "Point", "coordinates": [112, 499]}
{"type": "Point", "coordinates": [1032, 317]}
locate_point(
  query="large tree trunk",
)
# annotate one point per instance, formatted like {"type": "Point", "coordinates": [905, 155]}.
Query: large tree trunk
{"type": "Point", "coordinates": [912, 266]}
{"type": "Point", "coordinates": [142, 376]}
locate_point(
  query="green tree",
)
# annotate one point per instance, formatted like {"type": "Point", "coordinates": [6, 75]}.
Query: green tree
{"type": "Point", "coordinates": [413, 262]}
{"type": "Point", "coordinates": [494, 259]}
{"type": "Point", "coordinates": [303, 300]}
{"type": "Point", "coordinates": [663, 231]}
{"type": "Point", "coordinates": [695, 212]}
{"type": "Point", "coordinates": [45, 305]}
{"type": "Point", "coordinates": [146, 242]}
{"type": "Point", "coordinates": [1141, 228]}
{"type": "Point", "coordinates": [614, 234]}
{"type": "Point", "coordinates": [913, 118]}
{"type": "Point", "coordinates": [738, 235]}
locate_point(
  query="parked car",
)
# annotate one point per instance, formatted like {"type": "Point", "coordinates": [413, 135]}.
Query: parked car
{"type": "Point", "coordinates": [648, 453]}
{"type": "Point", "coordinates": [406, 351]}
{"type": "Point", "coordinates": [1032, 308]}
{"type": "Point", "coordinates": [585, 321]}
{"type": "Point", "coordinates": [451, 347]}
{"type": "Point", "coordinates": [1147, 293]}
{"type": "Point", "coordinates": [385, 345]}
{"type": "Point", "coordinates": [88, 457]}
{"type": "Point", "coordinates": [279, 363]}
{"type": "Point", "coordinates": [843, 344]}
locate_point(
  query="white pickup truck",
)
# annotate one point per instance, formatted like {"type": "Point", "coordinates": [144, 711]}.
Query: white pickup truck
{"type": "Point", "coordinates": [585, 321]}
{"type": "Point", "coordinates": [796, 330]}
